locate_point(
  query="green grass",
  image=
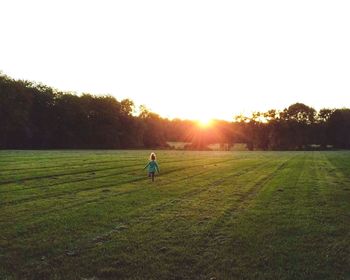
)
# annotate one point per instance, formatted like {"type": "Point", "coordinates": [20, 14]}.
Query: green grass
{"type": "Point", "coordinates": [219, 215]}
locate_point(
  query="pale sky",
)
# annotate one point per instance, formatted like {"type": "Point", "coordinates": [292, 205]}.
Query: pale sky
{"type": "Point", "coordinates": [187, 59]}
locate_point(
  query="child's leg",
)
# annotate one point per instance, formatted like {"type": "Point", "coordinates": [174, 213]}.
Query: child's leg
{"type": "Point", "coordinates": [152, 176]}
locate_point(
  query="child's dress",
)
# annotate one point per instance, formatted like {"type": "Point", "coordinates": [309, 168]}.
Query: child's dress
{"type": "Point", "coordinates": [152, 167]}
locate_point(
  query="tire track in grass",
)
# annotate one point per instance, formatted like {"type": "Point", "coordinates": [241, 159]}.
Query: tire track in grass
{"type": "Point", "coordinates": [55, 175]}
{"type": "Point", "coordinates": [30, 159]}
{"type": "Point", "coordinates": [194, 191]}
{"type": "Point", "coordinates": [311, 218]}
{"type": "Point", "coordinates": [339, 168]}
{"type": "Point", "coordinates": [128, 192]}
{"type": "Point", "coordinates": [197, 191]}
{"type": "Point", "coordinates": [256, 187]}
{"type": "Point", "coordinates": [199, 246]}
{"type": "Point", "coordinates": [75, 191]}
{"type": "Point", "coordinates": [140, 221]}
{"type": "Point", "coordinates": [219, 238]}
{"type": "Point", "coordinates": [134, 190]}
{"type": "Point", "coordinates": [208, 186]}
{"type": "Point", "coordinates": [112, 185]}
{"type": "Point", "coordinates": [78, 163]}
{"type": "Point", "coordinates": [87, 159]}
{"type": "Point", "coordinates": [135, 218]}
{"type": "Point", "coordinates": [86, 156]}
{"type": "Point", "coordinates": [336, 195]}
{"type": "Point", "coordinates": [42, 214]}
{"type": "Point", "coordinates": [139, 167]}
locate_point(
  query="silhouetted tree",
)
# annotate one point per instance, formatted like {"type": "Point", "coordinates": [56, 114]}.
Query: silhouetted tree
{"type": "Point", "coordinates": [339, 128]}
{"type": "Point", "coordinates": [33, 115]}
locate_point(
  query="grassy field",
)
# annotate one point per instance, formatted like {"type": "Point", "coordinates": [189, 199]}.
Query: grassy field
{"type": "Point", "coordinates": [209, 215]}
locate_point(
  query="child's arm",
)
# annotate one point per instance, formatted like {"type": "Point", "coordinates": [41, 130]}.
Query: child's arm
{"type": "Point", "coordinates": [157, 167]}
{"type": "Point", "coordinates": [146, 166]}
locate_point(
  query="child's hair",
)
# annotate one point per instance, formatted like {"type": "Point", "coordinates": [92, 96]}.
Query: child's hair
{"type": "Point", "coordinates": [152, 156]}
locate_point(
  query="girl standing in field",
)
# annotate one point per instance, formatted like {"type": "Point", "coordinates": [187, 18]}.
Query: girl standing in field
{"type": "Point", "coordinates": [152, 166]}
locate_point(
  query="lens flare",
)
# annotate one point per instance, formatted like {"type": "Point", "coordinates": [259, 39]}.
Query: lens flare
{"type": "Point", "coordinates": [204, 122]}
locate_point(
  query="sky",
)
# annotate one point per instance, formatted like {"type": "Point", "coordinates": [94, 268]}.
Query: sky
{"type": "Point", "coordinates": [186, 59]}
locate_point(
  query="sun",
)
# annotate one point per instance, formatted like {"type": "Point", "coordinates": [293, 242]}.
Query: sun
{"type": "Point", "coordinates": [204, 122]}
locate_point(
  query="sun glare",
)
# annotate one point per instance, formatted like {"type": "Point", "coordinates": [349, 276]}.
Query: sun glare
{"type": "Point", "coordinates": [204, 123]}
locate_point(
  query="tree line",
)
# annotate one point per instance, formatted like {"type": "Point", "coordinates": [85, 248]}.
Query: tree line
{"type": "Point", "coordinates": [36, 116]}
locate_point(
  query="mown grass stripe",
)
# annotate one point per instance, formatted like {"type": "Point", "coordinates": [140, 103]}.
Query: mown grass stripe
{"type": "Point", "coordinates": [273, 215]}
